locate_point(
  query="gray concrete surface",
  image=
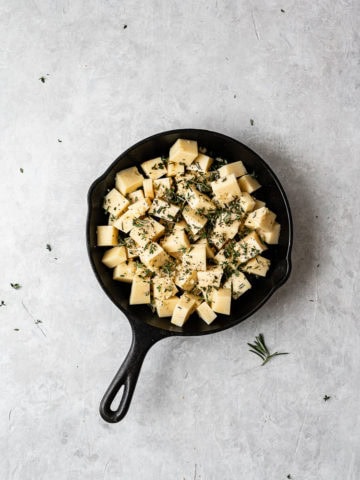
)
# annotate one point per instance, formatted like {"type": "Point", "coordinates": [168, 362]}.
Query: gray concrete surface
{"type": "Point", "coordinates": [204, 409]}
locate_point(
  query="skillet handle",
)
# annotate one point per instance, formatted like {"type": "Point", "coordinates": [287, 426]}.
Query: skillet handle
{"type": "Point", "coordinates": [143, 338]}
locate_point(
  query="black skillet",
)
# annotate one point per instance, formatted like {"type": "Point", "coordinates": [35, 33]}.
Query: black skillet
{"type": "Point", "coordinates": [147, 328]}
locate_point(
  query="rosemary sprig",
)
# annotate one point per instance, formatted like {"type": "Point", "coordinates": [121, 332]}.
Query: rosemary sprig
{"type": "Point", "coordinates": [261, 350]}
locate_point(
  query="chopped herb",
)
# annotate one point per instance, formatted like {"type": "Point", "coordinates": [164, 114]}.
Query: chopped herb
{"type": "Point", "coordinates": [16, 329]}
{"type": "Point", "coordinates": [37, 321]}
{"type": "Point", "coordinates": [42, 79]}
{"type": "Point", "coordinates": [326, 398]}
{"type": "Point", "coordinates": [60, 141]}
{"type": "Point", "coordinates": [289, 476]}
{"type": "Point", "coordinates": [252, 122]}
{"type": "Point", "coordinates": [15, 286]}
{"type": "Point", "coordinates": [259, 348]}
{"type": "Point", "coordinates": [139, 223]}
{"type": "Point", "coordinates": [2, 303]}
{"type": "Point", "coordinates": [21, 170]}
{"type": "Point", "coordinates": [48, 247]}
{"type": "Point", "coordinates": [282, 11]}
{"type": "Point", "coordinates": [125, 27]}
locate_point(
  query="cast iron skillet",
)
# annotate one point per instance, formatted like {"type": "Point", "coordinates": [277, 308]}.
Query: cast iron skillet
{"type": "Point", "coordinates": [147, 328]}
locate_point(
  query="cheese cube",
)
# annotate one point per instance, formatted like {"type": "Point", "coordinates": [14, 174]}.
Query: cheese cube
{"type": "Point", "coordinates": [197, 299]}
{"type": "Point", "coordinates": [270, 237]}
{"type": "Point", "coordinates": [175, 169]}
{"type": "Point", "coordinates": [182, 183]}
{"type": "Point", "coordinates": [210, 278]}
{"type": "Point", "coordinates": [125, 272]}
{"type": "Point", "coordinates": [247, 203]}
{"type": "Point", "coordinates": [258, 203]}
{"type": "Point", "coordinates": [107, 236]}
{"type": "Point", "coordinates": [182, 311]}
{"type": "Point", "coordinates": [176, 243]}
{"type": "Point", "coordinates": [206, 313]}
{"type": "Point", "coordinates": [161, 186]}
{"type": "Point", "coordinates": [165, 308]}
{"type": "Point", "coordinates": [163, 287]}
{"type": "Point", "coordinates": [257, 266]}
{"type": "Point", "coordinates": [165, 210]}
{"type": "Point", "coordinates": [132, 249]}
{"type": "Point", "coordinates": [198, 201]}
{"type": "Point", "coordinates": [153, 255]}
{"type": "Point", "coordinates": [194, 220]}
{"type": "Point", "coordinates": [126, 222]}
{"type": "Point", "coordinates": [250, 246]}
{"type": "Point", "coordinates": [141, 206]}
{"type": "Point", "coordinates": [146, 229]}
{"type": "Point", "coordinates": [128, 180]}
{"type": "Point", "coordinates": [115, 203]}
{"type": "Point", "coordinates": [261, 218]}
{"type": "Point", "coordinates": [183, 151]}
{"type": "Point", "coordinates": [202, 163]}
{"type": "Point", "coordinates": [222, 301]}
{"type": "Point", "coordinates": [148, 188]}
{"type": "Point", "coordinates": [248, 184]}
{"type": "Point", "coordinates": [226, 227]}
{"type": "Point", "coordinates": [226, 189]}
{"type": "Point", "coordinates": [154, 168]}
{"type": "Point", "coordinates": [140, 290]}
{"type": "Point", "coordinates": [136, 196]}
{"type": "Point", "coordinates": [114, 256]}
{"type": "Point", "coordinates": [195, 257]}
{"type": "Point", "coordinates": [186, 278]}
{"type": "Point", "coordinates": [239, 284]}
{"type": "Point", "coordinates": [181, 225]}
{"type": "Point", "coordinates": [209, 251]}
{"type": "Point", "coordinates": [236, 168]}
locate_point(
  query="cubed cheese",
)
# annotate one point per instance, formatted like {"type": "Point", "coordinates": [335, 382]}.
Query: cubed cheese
{"type": "Point", "coordinates": [107, 236]}
{"type": "Point", "coordinates": [126, 222]}
{"type": "Point", "coordinates": [247, 203]}
{"type": "Point", "coordinates": [176, 243]}
{"type": "Point", "coordinates": [161, 186]}
{"type": "Point", "coordinates": [148, 188]}
{"type": "Point", "coordinates": [162, 209]}
{"type": "Point", "coordinates": [270, 237]}
{"type": "Point", "coordinates": [128, 180]}
{"type": "Point", "coordinates": [209, 251]}
{"type": "Point", "coordinates": [222, 301]}
{"type": "Point", "coordinates": [114, 256]}
{"type": "Point", "coordinates": [132, 249]}
{"type": "Point", "coordinates": [226, 189]}
{"type": "Point", "coordinates": [236, 168]}
{"type": "Point", "coordinates": [165, 308]}
{"type": "Point", "coordinates": [257, 266]}
{"type": "Point", "coordinates": [195, 257]}
{"type": "Point", "coordinates": [226, 227]}
{"type": "Point", "coordinates": [140, 290]}
{"type": "Point", "coordinates": [250, 246]}
{"type": "Point", "coordinates": [163, 287]}
{"type": "Point", "coordinates": [154, 168]}
{"type": "Point", "coordinates": [115, 203]}
{"type": "Point", "coordinates": [125, 271]}
{"type": "Point", "coordinates": [136, 196]}
{"type": "Point", "coordinates": [210, 278]}
{"type": "Point", "coordinates": [262, 218]}
{"type": "Point", "coordinates": [258, 203]}
{"type": "Point", "coordinates": [239, 284]}
{"type": "Point", "coordinates": [248, 184]}
{"type": "Point", "coordinates": [183, 151]}
{"type": "Point", "coordinates": [194, 220]}
{"type": "Point", "coordinates": [182, 311]}
{"type": "Point", "coordinates": [147, 229]}
{"type": "Point", "coordinates": [175, 169]}
{"type": "Point", "coordinates": [202, 163]}
{"type": "Point", "coordinates": [186, 278]}
{"type": "Point", "coordinates": [198, 201]}
{"type": "Point", "coordinates": [206, 313]}
{"type": "Point", "coordinates": [153, 255]}
{"type": "Point", "coordinates": [141, 206]}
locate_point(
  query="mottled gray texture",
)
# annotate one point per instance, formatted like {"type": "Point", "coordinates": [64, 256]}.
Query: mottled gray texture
{"type": "Point", "coordinates": [204, 409]}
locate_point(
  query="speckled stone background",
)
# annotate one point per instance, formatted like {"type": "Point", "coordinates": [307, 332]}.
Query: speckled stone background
{"type": "Point", "coordinates": [203, 409]}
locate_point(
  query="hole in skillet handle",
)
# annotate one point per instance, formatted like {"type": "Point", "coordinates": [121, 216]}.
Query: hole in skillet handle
{"type": "Point", "coordinates": [117, 398]}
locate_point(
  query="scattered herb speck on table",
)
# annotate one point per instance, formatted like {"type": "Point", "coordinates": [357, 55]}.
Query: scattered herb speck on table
{"type": "Point", "coordinates": [260, 349]}
{"type": "Point", "coordinates": [21, 170]}
{"type": "Point", "coordinates": [48, 247]}
{"type": "Point", "coordinates": [125, 26]}
{"type": "Point", "coordinates": [2, 303]}
{"type": "Point", "coordinates": [59, 140]}
{"type": "Point", "coordinates": [252, 123]}
{"type": "Point", "coordinates": [326, 398]}
{"type": "Point", "coordinates": [16, 286]}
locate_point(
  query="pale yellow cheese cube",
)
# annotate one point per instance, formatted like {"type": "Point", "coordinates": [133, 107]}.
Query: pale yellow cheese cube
{"type": "Point", "coordinates": [175, 169]}
{"type": "Point", "coordinates": [141, 206]}
{"type": "Point", "coordinates": [165, 308]}
{"type": "Point", "coordinates": [148, 188]}
{"type": "Point", "coordinates": [140, 290]}
{"type": "Point", "coordinates": [226, 189]}
{"type": "Point", "coordinates": [163, 287]}
{"type": "Point", "coordinates": [250, 246]}
{"type": "Point", "coordinates": [176, 243]}
{"type": "Point", "coordinates": [236, 168]}
{"type": "Point", "coordinates": [136, 196]}
{"type": "Point", "coordinates": [270, 237]}
{"type": "Point", "coordinates": [162, 209]}
{"type": "Point", "coordinates": [153, 255]}
{"type": "Point", "coordinates": [115, 203]}
{"type": "Point", "coordinates": [195, 257]}
{"type": "Point", "coordinates": [257, 266]}
{"type": "Point", "coordinates": [180, 225]}
{"type": "Point", "coordinates": [210, 278]}
{"type": "Point", "coordinates": [262, 218]}
{"type": "Point", "coordinates": [248, 184]}
{"type": "Point", "coordinates": [239, 284]}
{"type": "Point", "coordinates": [196, 298]}
{"type": "Point", "coordinates": [198, 201]}
{"type": "Point", "coordinates": [202, 163]}
{"type": "Point", "coordinates": [161, 186]}
{"type": "Point", "coordinates": [222, 301]}
{"type": "Point", "coordinates": [226, 227]}
{"type": "Point", "coordinates": [247, 203]}
{"type": "Point", "coordinates": [128, 180]}
{"type": "Point", "coordinates": [126, 222]}
{"type": "Point", "coordinates": [125, 272]}
{"type": "Point", "coordinates": [182, 311]}
{"type": "Point", "coordinates": [154, 168]}
{"type": "Point", "coordinates": [186, 278]}
{"type": "Point", "coordinates": [206, 313]}
{"type": "Point", "coordinates": [114, 256]}
{"type": "Point", "coordinates": [183, 151]}
{"type": "Point", "coordinates": [147, 229]}
{"type": "Point", "coordinates": [194, 220]}
{"type": "Point", "coordinates": [107, 236]}
{"type": "Point", "coordinates": [258, 203]}
{"type": "Point", "coordinates": [209, 251]}
{"type": "Point", "coordinates": [132, 249]}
